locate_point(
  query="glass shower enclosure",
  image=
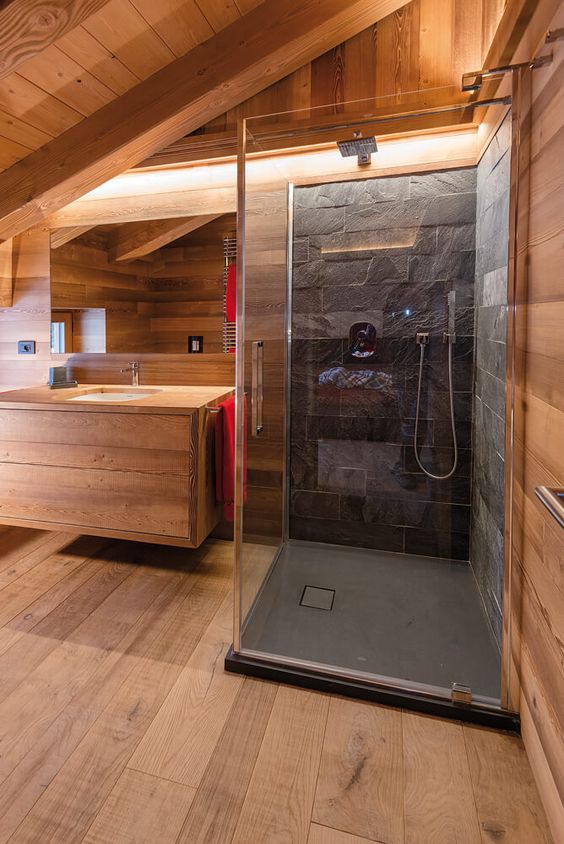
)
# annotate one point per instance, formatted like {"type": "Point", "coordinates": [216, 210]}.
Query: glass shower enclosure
{"type": "Point", "coordinates": [374, 287]}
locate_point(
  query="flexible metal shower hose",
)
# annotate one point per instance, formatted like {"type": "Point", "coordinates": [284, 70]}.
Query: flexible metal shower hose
{"type": "Point", "coordinates": [451, 397]}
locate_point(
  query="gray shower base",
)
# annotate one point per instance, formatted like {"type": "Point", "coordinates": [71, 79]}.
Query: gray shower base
{"type": "Point", "coordinates": [399, 615]}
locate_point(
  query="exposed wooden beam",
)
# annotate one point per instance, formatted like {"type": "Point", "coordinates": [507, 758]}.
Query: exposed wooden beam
{"type": "Point", "coordinates": [276, 135]}
{"type": "Point", "coordinates": [6, 275]}
{"type": "Point", "coordinates": [61, 236]}
{"type": "Point", "coordinates": [210, 188]}
{"type": "Point", "coordinates": [520, 31]}
{"type": "Point", "coordinates": [255, 51]}
{"type": "Point", "coordinates": [29, 26]}
{"type": "Point", "coordinates": [135, 240]}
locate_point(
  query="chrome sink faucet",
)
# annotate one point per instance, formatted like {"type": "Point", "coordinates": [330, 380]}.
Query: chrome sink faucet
{"type": "Point", "coordinates": [133, 367]}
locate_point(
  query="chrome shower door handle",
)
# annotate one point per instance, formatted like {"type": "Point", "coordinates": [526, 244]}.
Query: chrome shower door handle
{"type": "Point", "coordinates": [257, 388]}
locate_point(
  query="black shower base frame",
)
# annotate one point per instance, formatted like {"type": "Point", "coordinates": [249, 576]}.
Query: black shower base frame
{"type": "Point", "coordinates": [496, 719]}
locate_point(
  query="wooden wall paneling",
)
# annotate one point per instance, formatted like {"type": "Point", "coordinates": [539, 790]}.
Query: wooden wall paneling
{"type": "Point", "coordinates": [6, 274]}
{"type": "Point", "coordinates": [538, 540]}
{"type": "Point", "coordinates": [397, 53]}
{"type": "Point", "coordinates": [196, 370]}
{"type": "Point", "coordinates": [28, 318]}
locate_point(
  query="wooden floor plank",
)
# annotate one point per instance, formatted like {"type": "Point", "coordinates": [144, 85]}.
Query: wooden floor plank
{"type": "Point", "coordinates": [16, 543]}
{"type": "Point", "coordinates": [141, 809]}
{"type": "Point", "coordinates": [67, 808]}
{"type": "Point", "coordinates": [361, 778]}
{"type": "Point", "coordinates": [35, 704]}
{"type": "Point", "coordinates": [324, 835]}
{"type": "Point", "coordinates": [215, 811]}
{"type": "Point", "coordinates": [180, 741]}
{"type": "Point", "coordinates": [507, 801]}
{"type": "Point", "coordinates": [28, 781]}
{"type": "Point", "coordinates": [118, 649]}
{"type": "Point", "coordinates": [280, 797]}
{"type": "Point", "coordinates": [439, 802]}
{"type": "Point", "coordinates": [15, 564]}
{"type": "Point", "coordinates": [30, 649]}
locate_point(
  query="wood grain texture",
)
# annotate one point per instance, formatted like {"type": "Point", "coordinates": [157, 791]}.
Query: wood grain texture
{"type": "Point", "coordinates": [28, 26]}
{"type": "Point", "coordinates": [360, 789]}
{"type": "Point", "coordinates": [183, 736]}
{"type": "Point", "coordinates": [141, 809]}
{"type": "Point", "coordinates": [136, 240]}
{"type": "Point", "coordinates": [62, 236]}
{"type": "Point", "coordinates": [324, 835]}
{"type": "Point", "coordinates": [439, 802]}
{"type": "Point", "coordinates": [280, 796]}
{"type": "Point", "coordinates": [491, 757]}
{"type": "Point", "coordinates": [6, 274]}
{"type": "Point", "coordinates": [215, 811]}
{"type": "Point", "coordinates": [178, 99]}
{"type": "Point", "coordinates": [122, 633]}
{"type": "Point", "coordinates": [538, 542]}
{"type": "Point", "coordinates": [76, 467]}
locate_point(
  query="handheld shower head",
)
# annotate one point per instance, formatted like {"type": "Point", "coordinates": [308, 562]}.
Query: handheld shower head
{"type": "Point", "coordinates": [450, 334]}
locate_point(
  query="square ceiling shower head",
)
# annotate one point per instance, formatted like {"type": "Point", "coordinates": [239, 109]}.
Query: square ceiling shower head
{"type": "Point", "coordinates": [361, 147]}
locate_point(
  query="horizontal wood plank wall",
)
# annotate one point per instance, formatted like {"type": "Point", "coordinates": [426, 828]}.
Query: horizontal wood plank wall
{"type": "Point", "coordinates": [151, 307]}
{"type": "Point", "coordinates": [188, 289]}
{"type": "Point", "coordinates": [425, 44]}
{"type": "Point", "coordinates": [28, 318]}
{"type": "Point", "coordinates": [539, 541]}
{"type": "Point", "coordinates": [83, 277]}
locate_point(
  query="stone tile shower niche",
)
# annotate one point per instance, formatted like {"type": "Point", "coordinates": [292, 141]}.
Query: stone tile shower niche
{"type": "Point", "coordinates": [384, 251]}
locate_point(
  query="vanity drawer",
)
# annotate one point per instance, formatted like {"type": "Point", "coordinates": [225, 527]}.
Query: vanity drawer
{"type": "Point", "coordinates": [122, 430]}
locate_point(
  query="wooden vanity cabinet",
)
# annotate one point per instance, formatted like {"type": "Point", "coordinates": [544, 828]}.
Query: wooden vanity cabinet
{"type": "Point", "coordinates": [146, 476]}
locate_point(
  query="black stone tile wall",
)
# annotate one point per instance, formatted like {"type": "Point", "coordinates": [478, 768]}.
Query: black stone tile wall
{"type": "Point", "coordinates": [486, 545]}
{"type": "Point", "coordinates": [386, 251]}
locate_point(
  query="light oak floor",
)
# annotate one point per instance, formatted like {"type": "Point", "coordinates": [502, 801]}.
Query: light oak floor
{"type": "Point", "coordinates": [118, 723]}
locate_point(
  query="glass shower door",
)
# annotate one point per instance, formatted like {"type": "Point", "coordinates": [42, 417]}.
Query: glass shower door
{"type": "Point", "coordinates": [261, 367]}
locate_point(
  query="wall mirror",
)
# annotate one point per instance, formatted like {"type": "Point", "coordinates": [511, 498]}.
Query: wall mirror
{"type": "Point", "coordinates": [144, 287]}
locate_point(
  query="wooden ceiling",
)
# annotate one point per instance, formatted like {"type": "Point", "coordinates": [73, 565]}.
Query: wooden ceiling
{"type": "Point", "coordinates": [427, 43]}
{"type": "Point", "coordinates": [121, 44]}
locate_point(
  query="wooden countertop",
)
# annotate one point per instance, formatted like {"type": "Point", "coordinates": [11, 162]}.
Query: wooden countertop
{"type": "Point", "coordinates": [164, 399]}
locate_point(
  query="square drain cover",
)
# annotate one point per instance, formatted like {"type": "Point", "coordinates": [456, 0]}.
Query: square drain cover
{"type": "Point", "coordinates": [317, 597]}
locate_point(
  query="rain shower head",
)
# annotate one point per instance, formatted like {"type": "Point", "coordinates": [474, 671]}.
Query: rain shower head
{"type": "Point", "coordinates": [361, 147]}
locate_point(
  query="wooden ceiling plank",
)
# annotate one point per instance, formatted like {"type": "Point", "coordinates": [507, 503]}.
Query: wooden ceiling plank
{"type": "Point", "coordinates": [136, 240]}
{"type": "Point", "coordinates": [179, 23]}
{"type": "Point", "coordinates": [57, 74]}
{"type": "Point", "coordinates": [123, 31]}
{"type": "Point", "coordinates": [220, 13]}
{"type": "Point", "coordinates": [61, 236]}
{"type": "Point", "coordinates": [6, 275]}
{"type": "Point", "coordinates": [11, 151]}
{"type": "Point", "coordinates": [275, 39]}
{"type": "Point", "coordinates": [21, 132]}
{"type": "Point", "coordinates": [87, 51]}
{"type": "Point", "coordinates": [24, 100]}
{"type": "Point", "coordinates": [27, 27]}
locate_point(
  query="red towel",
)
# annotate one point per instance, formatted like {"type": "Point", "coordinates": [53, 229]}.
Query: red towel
{"type": "Point", "coordinates": [231, 294]}
{"type": "Point", "coordinates": [225, 457]}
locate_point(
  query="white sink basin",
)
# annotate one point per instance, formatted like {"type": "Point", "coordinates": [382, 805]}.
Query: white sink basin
{"type": "Point", "coordinates": [116, 396]}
